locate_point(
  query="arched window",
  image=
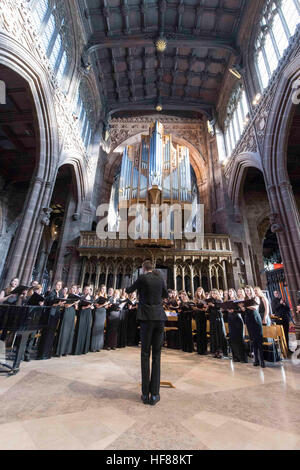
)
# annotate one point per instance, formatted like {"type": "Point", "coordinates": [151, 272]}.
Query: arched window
{"type": "Point", "coordinates": [50, 27]}
{"type": "Point", "coordinates": [84, 119]}
{"type": "Point", "coordinates": [237, 118]}
{"type": "Point", "coordinates": [278, 23]}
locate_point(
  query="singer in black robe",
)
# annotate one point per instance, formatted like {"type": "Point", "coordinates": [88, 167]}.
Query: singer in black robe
{"type": "Point", "coordinates": [218, 341]}
{"type": "Point", "coordinates": [97, 338]}
{"type": "Point", "coordinates": [201, 321]}
{"type": "Point", "coordinates": [46, 344]}
{"type": "Point", "coordinates": [132, 323]}
{"type": "Point", "coordinates": [254, 326]}
{"type": "Point", "coordinates": [67, 330]}
{"type": "Point", "coordinates": [82, 338]}
{"type": "Point", "coordinates": [123, 325]}
{"type": "Point", "coordinates": [236, 336]}
{"type": "Point", "coordinates": [112, 323]}
{"type": "Point", "coordinates": [185, 314]}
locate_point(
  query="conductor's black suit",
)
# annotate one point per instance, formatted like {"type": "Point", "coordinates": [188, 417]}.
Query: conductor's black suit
{"type": "Point", "coordinates": [151, 290]}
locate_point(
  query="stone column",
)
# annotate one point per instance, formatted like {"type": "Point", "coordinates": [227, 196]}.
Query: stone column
{"type": "Point", "coordinates": [83, 273]}
{"type": "Point", "coordinates": [98, 269]}
{"type": "Point", "coordinates": [175, 276]}
{"type": "Point", "coordinates": [28, 235]}
{"type": "Point", "coordinates": [183, 280]}
{"type": "Point", "coordinates": [225, 275]}
{"type": "Point", "coordinates": [286, 224]}
{"type": "Point", "coordinates": [192, 280]}
{"type": "Point", "coordinates": [106, 276]}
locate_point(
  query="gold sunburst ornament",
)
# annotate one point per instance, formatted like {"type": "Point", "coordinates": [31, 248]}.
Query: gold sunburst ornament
{"type": "Point", "coordinates": [159, 108]}
{"type": "Point", "coordinates": [161, 44]}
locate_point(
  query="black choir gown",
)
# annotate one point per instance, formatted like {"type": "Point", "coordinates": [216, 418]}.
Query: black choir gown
{"type": "Point", "coordinates": [255, 330]}
{"type": "Point", "coordinates": [201, 337]}
{"type": "Point", "coordinates": [47, 341]}
{"type": "Point", "coordinates": [236, 337]}
{"type": "Point", "coordinates": [66, 332]}
{"type": "Point", "coordinates": [132, 326]}
{"type": "Point", "coordinates": [112, 324]}
{"type": "Point", "coordinates": [218, 341]}
{"type": "Point", "coordinates": [123, 325]}
{"type": "Point", "coordinates": [185, 327]}
{"type": "Point", "coordinates": [97, 339]}
{"type": "Point", "coordinates": [83, 330]}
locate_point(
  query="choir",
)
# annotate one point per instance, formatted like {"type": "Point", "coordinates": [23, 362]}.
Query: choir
{"type": "Point", "coordinates": [85, 321]}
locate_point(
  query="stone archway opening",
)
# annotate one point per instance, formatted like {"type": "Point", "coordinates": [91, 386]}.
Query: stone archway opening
{"type": "Point", "coordinates": [19, 151]}
{"type": "Point", "coordinates": [256, 214]}
{"type": "Point", "coordinates": [293, 156]}
{"type": "Point", "coordinates": [63, 204]}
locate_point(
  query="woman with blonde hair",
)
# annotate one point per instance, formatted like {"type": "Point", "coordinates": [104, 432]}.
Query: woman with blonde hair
{"type": "Point", "coordinates": [264, 306]}
{"type": "Point", "coordinates": [254, 326]}
{"type": "Point", "coordinates": [200, 317]}
{"type": "Point", "coordinates": [218, 342]}
{"type": "Point", "coordinates": [236, 331]}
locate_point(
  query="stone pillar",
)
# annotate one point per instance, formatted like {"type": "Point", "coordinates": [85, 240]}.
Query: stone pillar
{"type": "Point", "coordinates": [285, 223]}
{"type": "Point", "coordinates": [225, 275]}
{"type": "Point", "coordinates": [183, 280]}
{"type": "Point", "coordinates": [98, 269]}
{"type": "Point", "coordinates": [115, 279]}
{"type": "Point", "coordinates": [27, 239]}
{"type": "Point", "coordinates": [106, 276]}
{"type": "Point", "coordinates": [83, 273]}
{"type": "Point", "coordinates": [175, 276]}
{"type": "Point", "coordinates": [192, 280]}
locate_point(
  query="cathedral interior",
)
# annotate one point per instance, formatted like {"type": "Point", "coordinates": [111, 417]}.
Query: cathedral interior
{"type": "Point", "coordinates": [125, 102]}
{"type": "Point", "coordinates": [84, 82]}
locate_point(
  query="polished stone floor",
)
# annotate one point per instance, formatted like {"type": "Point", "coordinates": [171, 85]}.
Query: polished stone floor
{"type": "Point", "coordinates": [93, 402]}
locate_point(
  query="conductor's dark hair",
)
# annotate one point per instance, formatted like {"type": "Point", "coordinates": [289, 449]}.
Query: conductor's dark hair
{"type": "Point", "coordinates": [148, 265]}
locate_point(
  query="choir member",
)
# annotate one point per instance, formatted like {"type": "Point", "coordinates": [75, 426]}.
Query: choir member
{"type": "Point", "coordinates": [123, 320]}
{"type": "Point", "coordinates": [132, 325]}
{"type": "Point", "coordinates": [67, 325]}
{"type": "Point", "coordinates": [218, 342]}
{"type": "Point", "coordinates": [241, 296]}
{"type": "Point", "coordinates": [101, 302]}
{"type": "Point", "coordinates": [54, 300]}
{"type": "Point", "coordinates": [5, 296]}
{"type": "Point", "coordinates": [112, 321]}
{"type": "Point", "coordinates": [35, 300]}
{"type": "Point", "coordinates": [264, 306]}
{"type": "Point", "coordinates": [200, 317]}
{"type": "Point", "coordinates": [83, 329]}
{"type": "Point", "coordinates": [65, 292]}
{"type": "Point", "coordinates": [254, 326]}
{"type": "Point", "coordinates": [236, 331]}
{"type": "Point", "coordinates": [282, 315]}
{"type": "Point", "coordinates": [185, 313]}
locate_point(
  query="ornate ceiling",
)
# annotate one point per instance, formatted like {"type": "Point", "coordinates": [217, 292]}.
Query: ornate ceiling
{"type": "Point", "coordinates": [201, 38]}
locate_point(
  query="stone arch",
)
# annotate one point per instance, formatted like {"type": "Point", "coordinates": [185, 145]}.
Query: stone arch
{"type": "Point", "coordinates": [80, 177]}
{"type": "Point", "coordinates": [24, 249]}
{"type": "Point", "coordinates": [278, 125]}
{"type": "Point", "coordinates": [238, 173]}
{"type": "Point", "coordinates": [285, 217]}
{"type": "Point", "coordinates": [14, 56]}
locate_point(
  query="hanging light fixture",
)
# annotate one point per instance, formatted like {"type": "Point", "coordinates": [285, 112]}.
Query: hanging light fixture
{"type": "Point", "coordinates": [161, 44]}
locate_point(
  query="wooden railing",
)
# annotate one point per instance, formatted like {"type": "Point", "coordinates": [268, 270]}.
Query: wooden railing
{"type": "Point", "coordinates": [211, 243]}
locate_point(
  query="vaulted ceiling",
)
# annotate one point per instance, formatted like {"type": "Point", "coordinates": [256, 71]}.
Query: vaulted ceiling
{"type": "Point", "coordinates": [201, 38]}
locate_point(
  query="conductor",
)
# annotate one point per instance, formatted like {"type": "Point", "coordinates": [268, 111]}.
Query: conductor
{"type": "Point", "coordinates": [151, 290]}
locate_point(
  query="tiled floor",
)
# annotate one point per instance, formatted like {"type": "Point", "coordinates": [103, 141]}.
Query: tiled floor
{"type": "Point", "coordinates": [93, 402]}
